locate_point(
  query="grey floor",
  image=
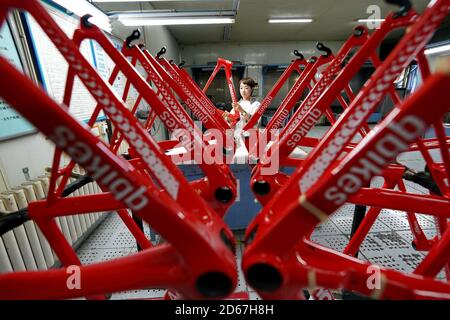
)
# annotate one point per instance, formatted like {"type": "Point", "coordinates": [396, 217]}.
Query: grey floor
{"type": "Point", "coordinates": [389, 240]}
{"type": "Point", "coordinates": [388, 243]}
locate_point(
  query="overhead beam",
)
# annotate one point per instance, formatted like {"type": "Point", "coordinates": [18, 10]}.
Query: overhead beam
{"type": "Point", "coordinates": [227, 28]}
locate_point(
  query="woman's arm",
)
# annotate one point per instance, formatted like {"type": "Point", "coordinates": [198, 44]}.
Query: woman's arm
{"type": "Point", "coordinates": [245, 115]}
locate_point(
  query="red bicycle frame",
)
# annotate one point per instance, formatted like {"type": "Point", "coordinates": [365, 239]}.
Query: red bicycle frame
{"type": "Point", "coordinates": [202, 267]}
{"type": "Point", "coordinates": [278, 263]}
{"type": "Point", "coordinates": [196, 100]}
{"type": "Point", "coordinates": [324, 92]}
{"type": "Point", "coordinates": [294, 94]}
{"type": "Point", "coordinates": [393, 176]}
{"type": "Point", "coordinates": [294, 66]}
{"type": "Point", "coordinates": [217, 188]}
{"type": "Point", "coordinates": [227, 66]}
{"type": "Point", "coordinates": [195, 88]}
{"type": "Point", "coordinates": [296, 91]}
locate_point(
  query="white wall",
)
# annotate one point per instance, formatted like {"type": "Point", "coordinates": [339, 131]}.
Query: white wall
{"type": "Point", "coordinates": [155, 38]}
{"type": "Point", "coordinates": [32, 151]}
{"type": "Point", "coordinates": [252, 52]}
{"type": "Point", "coordinates": [434, 59]}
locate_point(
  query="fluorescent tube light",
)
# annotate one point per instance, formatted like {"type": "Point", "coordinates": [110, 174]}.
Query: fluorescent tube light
{"type": "Point", "coordinates": [120, 1]}
{"type": "Point", "coordinates": [164, 17]}
{"type": "Point", "coordinates": [437, 49]}
{"type": "Point", "coordinates": [133, 0]}
{"type": "Point", "coordinates": [289, 20]}
{"type": "Point", "coordinates": [370, 20]}
{"type": "Point", "coordinates": [133, 22]}
{"type": "Point", "coordinates": [82, 7]}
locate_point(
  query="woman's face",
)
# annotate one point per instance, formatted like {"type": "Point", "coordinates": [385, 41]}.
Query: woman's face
{"type": "Point", "coordinates": [246, 91]}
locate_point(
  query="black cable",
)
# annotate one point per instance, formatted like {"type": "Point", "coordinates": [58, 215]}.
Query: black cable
{"type": "Point", "coordinates": [9, 221]}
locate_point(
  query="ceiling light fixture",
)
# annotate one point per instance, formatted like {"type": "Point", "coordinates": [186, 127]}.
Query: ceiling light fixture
{"type": "Point", "coordinates": [174, 22]}
{"type": "Point", "coordinates": [370, 20]}
{"type": "Point", "coordinates": [134, 0]}
{"type": "Point", "coordinates": [290, 20]}
{"type": "Point", "coordinates": [164, 18]}
{"type": "Point", "coordinates": [439, 49]}
{"type": "Point", "coordinates": [82, 7]}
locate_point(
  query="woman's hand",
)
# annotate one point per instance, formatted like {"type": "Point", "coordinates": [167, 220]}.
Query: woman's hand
{"type": "Point", "coordinates": [225, 115]}
{"type": "Point", "coordinates": [237, 107]}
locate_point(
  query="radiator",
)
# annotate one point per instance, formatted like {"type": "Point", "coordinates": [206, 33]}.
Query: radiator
{"type": "Point", "coordinates": [25, 248]}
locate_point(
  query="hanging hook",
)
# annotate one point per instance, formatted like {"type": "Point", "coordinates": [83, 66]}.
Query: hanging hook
{"type": "Point", "coordinates": [321, 47]}
{"type": "Point", "coordinates": [85, 21]}
{"type": "Point", "coordinates": [161, 52]}
{"type": "Point", "coordinates": [405, 6]}
{"type": "Point", "coordinates": [298, 54]}
{"type": "Point", "coordinates": [135, 35]}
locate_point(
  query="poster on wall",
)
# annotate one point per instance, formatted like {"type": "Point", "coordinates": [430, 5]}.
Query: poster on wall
{"type": "Point", "coordinates": [12, 124]}
{"type": "Point", "coordinates": [105, 65]}
{"type": "Point", "coordinates": [53, 68]}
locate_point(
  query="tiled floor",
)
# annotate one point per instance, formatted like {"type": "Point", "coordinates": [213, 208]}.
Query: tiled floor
{"type": "Point", "coordinates": [388, 242]}
{"type": "Point", "coordinates": [112, 240]}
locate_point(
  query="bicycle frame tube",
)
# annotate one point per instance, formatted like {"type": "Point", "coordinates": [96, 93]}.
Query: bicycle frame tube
{"type": "Point", "coordinates": [296, 91]}
{"type": "Point", "coordinates": [291, 99]}
{"type": "Point", "coordinates": [201, 107]}
{"type": "Point", "coordinates": [370, 95]}
{"type": "Point", "coordinates": [117, 140]}
{"type": "Point", "coordinates": [202, 96]}
{"type": "Point", "coordinates": [294, 66]}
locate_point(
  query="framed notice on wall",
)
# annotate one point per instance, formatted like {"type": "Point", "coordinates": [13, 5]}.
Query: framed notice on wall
{"type": "Point", "coordinates": [52, 67]}
{"type": "Point", "coordinates": [12, 124]}
{"type": "Point", "coordinates": [105, 66]}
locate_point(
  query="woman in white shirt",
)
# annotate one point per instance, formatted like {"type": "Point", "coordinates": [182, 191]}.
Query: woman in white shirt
{"type": "Point", "coordinates": [247, 106]}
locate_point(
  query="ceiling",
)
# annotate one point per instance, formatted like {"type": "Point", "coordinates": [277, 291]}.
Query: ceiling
{"type": "Point", "coordinates": [333, 19]}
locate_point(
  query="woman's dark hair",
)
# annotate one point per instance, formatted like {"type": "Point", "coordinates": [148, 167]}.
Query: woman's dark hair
{"type": "Point", "coordinates": [249, 82]}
